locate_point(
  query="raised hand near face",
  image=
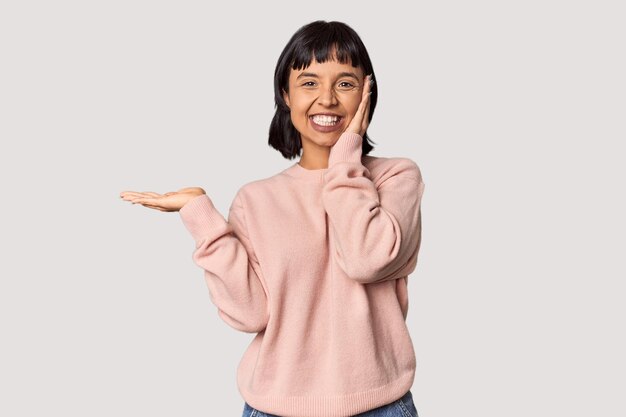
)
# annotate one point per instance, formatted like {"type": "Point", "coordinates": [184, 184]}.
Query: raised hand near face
{"type": "Point", "coordinates": [361, 119]}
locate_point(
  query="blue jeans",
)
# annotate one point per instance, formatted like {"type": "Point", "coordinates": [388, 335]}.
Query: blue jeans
{"type": "Point", "coordinates": [402, 407]}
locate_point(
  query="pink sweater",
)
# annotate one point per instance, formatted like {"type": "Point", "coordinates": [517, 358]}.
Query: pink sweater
{"type": "Point", "coordinates": [315, 262]}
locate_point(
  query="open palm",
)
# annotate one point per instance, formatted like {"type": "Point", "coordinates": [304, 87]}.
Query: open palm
{"type": "Point", "coordinates": [171, 201]}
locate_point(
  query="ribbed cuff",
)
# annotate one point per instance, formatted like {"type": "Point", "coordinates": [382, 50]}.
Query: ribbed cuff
{"type": "Point", "coordinates": [201, 218]}
{"type": "Point", "coordinates": [348, 148]}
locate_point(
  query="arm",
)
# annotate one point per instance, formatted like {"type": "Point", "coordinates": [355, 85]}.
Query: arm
{"type": "Point", "coordinates": [231, 269]}
{"type": "Point", "coordinates": [376, 230]}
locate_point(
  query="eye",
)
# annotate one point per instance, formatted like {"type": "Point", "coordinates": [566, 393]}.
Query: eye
{"type": "Point", "coordinates": [308, 82]}
{"type": "Point", "coordinates": [346, 82]}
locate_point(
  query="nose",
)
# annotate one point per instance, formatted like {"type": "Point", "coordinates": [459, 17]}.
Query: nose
{"type": "Point", "coordinates": [327, 96]}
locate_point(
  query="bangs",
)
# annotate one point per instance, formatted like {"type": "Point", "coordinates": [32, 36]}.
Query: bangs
{"type": "Point", "coordinates": [332, 47]}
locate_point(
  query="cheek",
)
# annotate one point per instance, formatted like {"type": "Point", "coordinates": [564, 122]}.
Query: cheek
{"type": "Point", "coordinates": [299, 107]}
{"type": "Point", "coordinates": [352, 104]}
{"type": "Point", "coordinates": [352, 110]}
{"type": "Point", "coordinates": [299, 113]}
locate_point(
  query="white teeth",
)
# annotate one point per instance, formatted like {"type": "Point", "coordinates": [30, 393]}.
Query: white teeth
{"type": "Point", "coordinates": [325, 120]}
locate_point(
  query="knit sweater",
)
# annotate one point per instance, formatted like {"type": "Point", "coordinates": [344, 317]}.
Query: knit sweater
{"type": "Point", "coordinates": [315, 264]}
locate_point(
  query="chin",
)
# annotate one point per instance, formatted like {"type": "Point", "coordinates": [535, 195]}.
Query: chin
{"type": "Point", "coordinates": [327, 140]}
{"type": "Point", "coordinates": [322, 139]}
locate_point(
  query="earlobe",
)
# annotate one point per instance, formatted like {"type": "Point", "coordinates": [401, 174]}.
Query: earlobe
{"type": "Point", "coordinates": [286, 97]}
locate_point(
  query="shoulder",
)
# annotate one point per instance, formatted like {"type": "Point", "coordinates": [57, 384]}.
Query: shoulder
{"type": "Point", "coordinates": [382, 168]}
{"type": "Point", "coordinates": [255, 189]}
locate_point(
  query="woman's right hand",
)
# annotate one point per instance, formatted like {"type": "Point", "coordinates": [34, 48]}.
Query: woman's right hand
{"type": "Point", "coordinates": [172, 201]}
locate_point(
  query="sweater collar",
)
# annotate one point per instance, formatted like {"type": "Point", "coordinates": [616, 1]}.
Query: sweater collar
{"type": "Point", "coordinates": [298, 171]}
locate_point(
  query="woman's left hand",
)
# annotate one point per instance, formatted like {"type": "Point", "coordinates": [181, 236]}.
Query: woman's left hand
{"type": "Point", "coordinates": [361, 119]}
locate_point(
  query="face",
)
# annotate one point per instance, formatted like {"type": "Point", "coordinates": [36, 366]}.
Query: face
{"type": "Point", "coordinates": [328, 87]}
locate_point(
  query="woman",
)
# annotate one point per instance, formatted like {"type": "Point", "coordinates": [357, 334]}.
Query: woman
{"type": "Point", "coordinates": [314, 260]}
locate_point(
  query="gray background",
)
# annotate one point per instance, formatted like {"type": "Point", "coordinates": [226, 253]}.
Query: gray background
{"type": "Point", "coordinates": [514, 111]}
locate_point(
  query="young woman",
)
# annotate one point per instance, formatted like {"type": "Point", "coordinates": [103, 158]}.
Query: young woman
{"type": "Point", "coordinates": [314, 260]}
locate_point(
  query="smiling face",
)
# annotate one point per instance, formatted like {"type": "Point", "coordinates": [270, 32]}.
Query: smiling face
{"type": "Point", "coordinates": [329, 87]}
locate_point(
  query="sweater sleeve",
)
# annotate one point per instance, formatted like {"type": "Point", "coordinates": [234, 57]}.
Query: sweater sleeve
{"type": "Point", "coordinates": [376, 229]}
{"type": "Point", "coordinates": [231, 270]}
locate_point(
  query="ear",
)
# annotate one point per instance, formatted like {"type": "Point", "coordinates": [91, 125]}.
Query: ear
{"type": "Point", "coordinates": [286, 98]}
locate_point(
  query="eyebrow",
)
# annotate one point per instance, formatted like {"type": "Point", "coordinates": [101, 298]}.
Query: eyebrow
{"type": "Point", "coordinates": [341, 74]}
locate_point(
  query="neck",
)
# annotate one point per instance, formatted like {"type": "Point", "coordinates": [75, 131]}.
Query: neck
{"type": "Point", "coordinates": [314, 156]}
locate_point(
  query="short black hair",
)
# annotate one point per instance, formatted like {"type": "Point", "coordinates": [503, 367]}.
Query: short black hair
{"type": "Point", "coordinates": [319, 39]}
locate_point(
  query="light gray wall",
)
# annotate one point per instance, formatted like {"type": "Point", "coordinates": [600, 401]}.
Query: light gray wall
{"type": "Point", "coordinates": [514, 112]}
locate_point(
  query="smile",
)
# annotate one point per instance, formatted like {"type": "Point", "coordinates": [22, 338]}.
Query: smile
{"type": "Point", "coordinates": [326, 123]}
{"type": "Point", "coordinates": [325, 120]}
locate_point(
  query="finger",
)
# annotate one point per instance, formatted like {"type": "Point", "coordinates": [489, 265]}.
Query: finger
{"type": "Point", "coordinates": [148, 202]}
{"type": "Point", "coordinates": [133, 199]}
{"type": "Point", "coordinates": [143, 200]}
{"type": "Point", "coordinates": [128, 193]}
{"type": "Point", "coordinates": [361, 109]}
{"type": "Point", "coordinates": [368, 86]}
{"type": "Point", "coordinates": [148, 193]}
{"type": "Point", "coordinates": [366, 94]}
{"type": "Point", "coordinates": [366, 82]}
{"type": "Point", "coordinates": [132, 194]}
{"type": "Point", "coordinates": [364, 106]}
{"type": "Point", "coordinates": [364, 119]}
{"type": "Point", "coordinates": [366, 116]}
